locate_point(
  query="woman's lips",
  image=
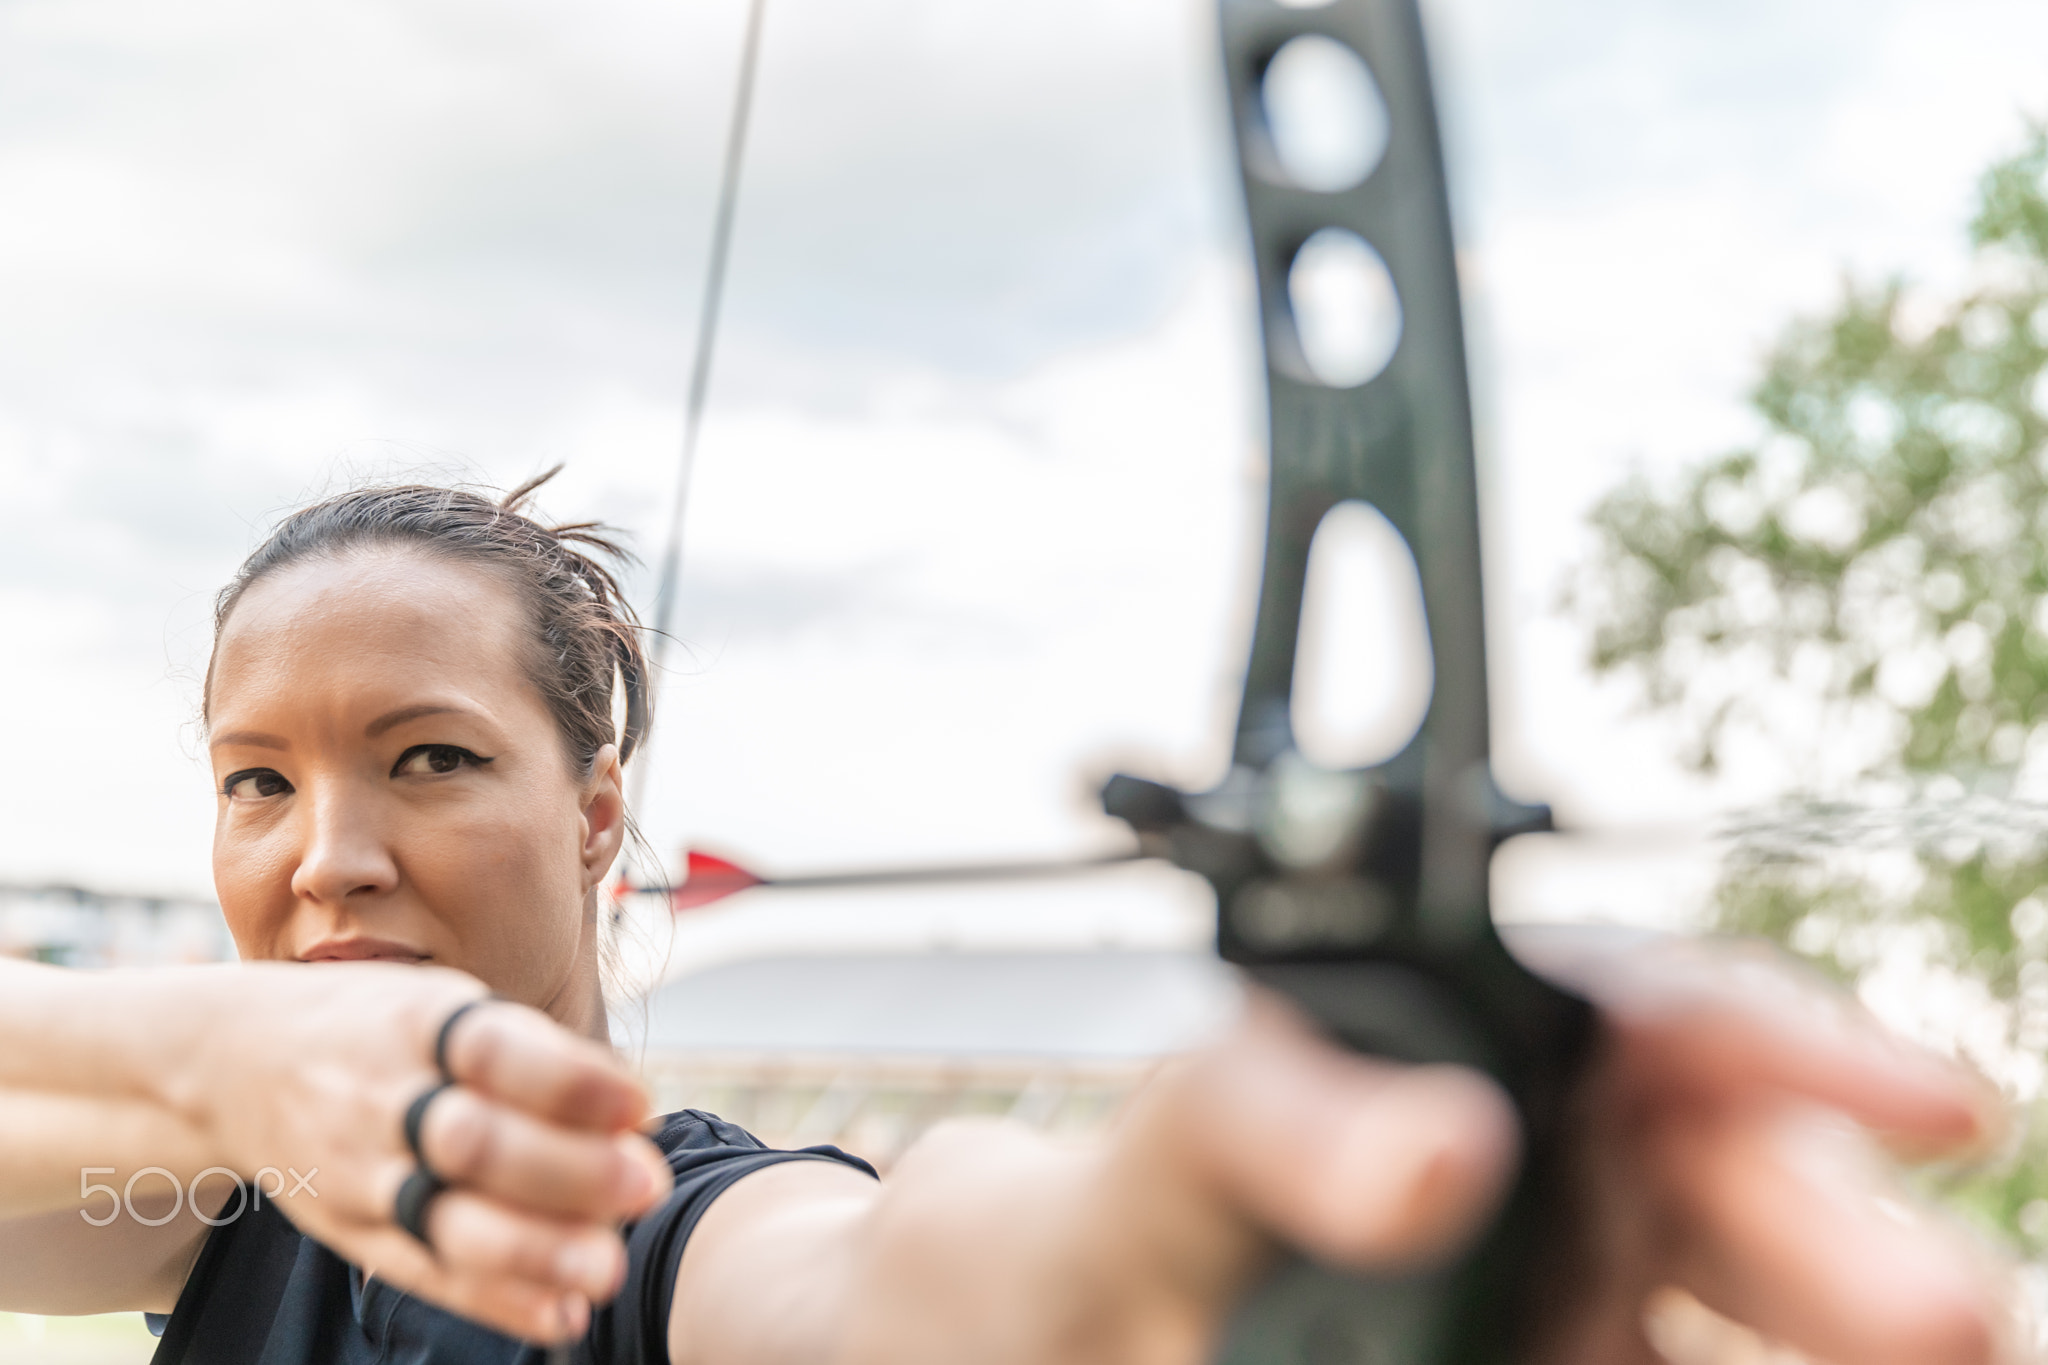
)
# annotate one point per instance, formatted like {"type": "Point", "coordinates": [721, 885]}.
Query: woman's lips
{"type": "Point", "coordinates": [361, 950]}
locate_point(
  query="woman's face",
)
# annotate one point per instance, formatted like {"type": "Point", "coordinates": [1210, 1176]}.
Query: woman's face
{"type": "Point", "coordinates": [392, 787]}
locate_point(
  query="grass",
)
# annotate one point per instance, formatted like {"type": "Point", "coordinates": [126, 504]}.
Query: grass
{"type": "Point", "coordinates": [101, 1339]}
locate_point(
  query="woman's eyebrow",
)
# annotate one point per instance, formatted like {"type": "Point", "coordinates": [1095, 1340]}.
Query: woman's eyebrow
{"type": "Point", "coordinates": [392, 719]}
{"type": "Point", "coordinates": [253, 739]}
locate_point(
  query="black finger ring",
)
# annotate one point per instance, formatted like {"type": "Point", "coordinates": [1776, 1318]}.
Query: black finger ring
{"type": "Point", "coordinates": [448, 1030]}
{"type": "Point", "coordinates": [416, 1114]}
{"type": "Point", "coordinates": [409, 1210]}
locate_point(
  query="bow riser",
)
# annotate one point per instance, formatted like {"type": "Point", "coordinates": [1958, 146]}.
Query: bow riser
{"type": "Point", "coordinates": [1402, 441]}
{"type": "Point", "coordinates": [1376, 921]}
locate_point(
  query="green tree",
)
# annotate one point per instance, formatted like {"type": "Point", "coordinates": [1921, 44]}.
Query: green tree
{"type": "Point", "coordinates": [1865, 589]}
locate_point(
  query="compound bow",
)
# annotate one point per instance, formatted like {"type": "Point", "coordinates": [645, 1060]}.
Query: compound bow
{"type": "Point", "coordinates": [1362, 895]}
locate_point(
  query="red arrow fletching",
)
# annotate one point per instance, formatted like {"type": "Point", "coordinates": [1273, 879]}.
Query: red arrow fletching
{"type": "Point", "coordinates": [707, 879]}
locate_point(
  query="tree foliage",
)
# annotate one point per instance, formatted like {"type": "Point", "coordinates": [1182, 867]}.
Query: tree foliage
{"type": "Point", "coordinates": [1865, 591]}
{"type": "Point", "coordinates": [1883, 546]}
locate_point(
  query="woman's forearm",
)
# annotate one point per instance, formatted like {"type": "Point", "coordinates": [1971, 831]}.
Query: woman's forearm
{"type": "Point", "coordinates": [91, 1065]}
{"type": "Point", "coordinates": [55, 1148]}
{"type": "Point", "coordinates": [101, 1203]}
{"type": "Point", "coordinates": [115, 1035]}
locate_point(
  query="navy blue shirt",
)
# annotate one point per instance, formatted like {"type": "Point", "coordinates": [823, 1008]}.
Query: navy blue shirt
{"type": "Point", "coordinates": [263, 1293]}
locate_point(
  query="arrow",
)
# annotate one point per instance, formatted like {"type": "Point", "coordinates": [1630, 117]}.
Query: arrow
{"type": "Point", "coordinates": [708, 878]}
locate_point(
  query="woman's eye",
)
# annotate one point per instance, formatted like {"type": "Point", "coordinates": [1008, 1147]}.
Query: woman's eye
{"type": "Point", "coordinates": [431, 759]}
{"type": "Point", "coordinates": [254, 784]}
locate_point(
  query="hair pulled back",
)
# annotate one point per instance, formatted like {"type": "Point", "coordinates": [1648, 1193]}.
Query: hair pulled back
{"type": "Point", "coordinates": [585, 639]}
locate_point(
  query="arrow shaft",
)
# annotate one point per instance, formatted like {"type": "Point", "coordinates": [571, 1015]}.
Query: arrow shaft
{"type": "Point", "coordinates": [903, 876]}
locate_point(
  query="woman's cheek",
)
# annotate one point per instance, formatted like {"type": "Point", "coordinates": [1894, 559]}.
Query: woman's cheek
{"type": "Point", "coordinates": [500, 881]}
{"type": "Point", "coordinates": [252, 875]}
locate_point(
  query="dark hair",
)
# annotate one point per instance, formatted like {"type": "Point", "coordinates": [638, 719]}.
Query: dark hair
{"type": "Point", "coordinates": [586, 638]}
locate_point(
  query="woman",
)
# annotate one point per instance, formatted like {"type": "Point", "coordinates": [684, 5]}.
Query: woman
{"type": "Point", "coordinates": [418, 708]}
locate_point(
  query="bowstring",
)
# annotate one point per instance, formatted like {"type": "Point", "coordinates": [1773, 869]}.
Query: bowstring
{"type": "Point", "coordinates": [693, 411]}
{"type": "Point", "coordinates": [669, 584]}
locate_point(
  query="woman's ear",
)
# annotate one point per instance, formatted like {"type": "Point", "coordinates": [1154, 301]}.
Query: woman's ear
{"type": "Point", "coordinates": [604, 815]}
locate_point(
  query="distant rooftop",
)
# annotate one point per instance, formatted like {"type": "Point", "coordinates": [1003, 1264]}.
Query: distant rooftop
{"type": "Point", "coordinates": [78, 926]}
{"type": "Point", "coordinates": [1112, 1005]}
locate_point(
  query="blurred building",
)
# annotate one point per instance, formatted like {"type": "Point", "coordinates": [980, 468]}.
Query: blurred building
{"type": "Point", "coordinates": [867, 1050]}
{"type": "Point", "coordinates": [74, 926]}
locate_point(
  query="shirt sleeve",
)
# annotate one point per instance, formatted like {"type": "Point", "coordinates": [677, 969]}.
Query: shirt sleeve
{"type": "Point", "coordinates": [707, 1155]}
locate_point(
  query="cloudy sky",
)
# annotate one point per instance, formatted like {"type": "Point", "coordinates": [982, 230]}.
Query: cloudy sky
{"type": "Point", "coordinates": [976, 506]}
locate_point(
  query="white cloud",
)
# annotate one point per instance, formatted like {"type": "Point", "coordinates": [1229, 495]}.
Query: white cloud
{"type": "Point", "coordinates": [977, 500]}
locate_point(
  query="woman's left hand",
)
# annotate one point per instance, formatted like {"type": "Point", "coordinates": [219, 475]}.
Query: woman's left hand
{"type": "Point", "coordinates": [1725, 1148]}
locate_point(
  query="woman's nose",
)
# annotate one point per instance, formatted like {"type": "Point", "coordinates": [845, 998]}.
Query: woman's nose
{"type": "Point", "coordinates": [344, 855]}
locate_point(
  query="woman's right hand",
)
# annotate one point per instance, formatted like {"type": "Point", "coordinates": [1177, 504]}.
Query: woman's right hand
{"type": "Point", "coordinates": [310, 1069]}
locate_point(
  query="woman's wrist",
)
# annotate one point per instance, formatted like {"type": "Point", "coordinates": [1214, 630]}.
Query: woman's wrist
{"type": "Point", "coordinates": [201, 1022]}
{"type": "Point", "coordinates": [251, 1052]}
{"type": "Point", "coordinates": [179, 1053]}
{"type": "Point", "coordinates": [102, 1035]}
